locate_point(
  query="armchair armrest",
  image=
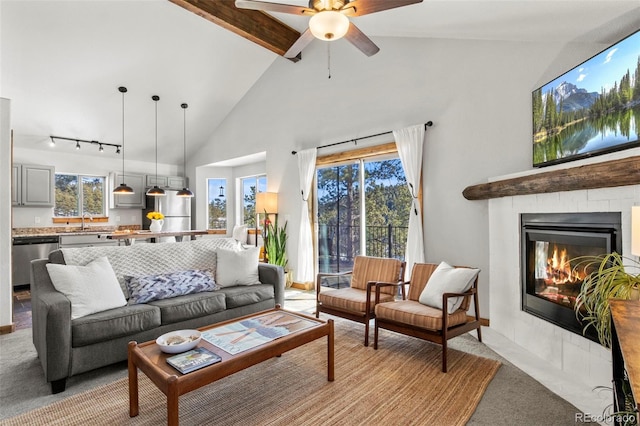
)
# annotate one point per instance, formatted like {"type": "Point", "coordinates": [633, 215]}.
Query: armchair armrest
{"type": "Point", "coordinates": [381, 284]}
{"type": "Point", "coordinates": [445, 304]}
{"type": "Point", "coordinates": [328, 274]}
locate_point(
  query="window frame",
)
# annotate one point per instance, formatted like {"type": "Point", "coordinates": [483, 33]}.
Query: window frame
{"type": "Point", "coordinates": [80, 177]}
{"type": "Point", "coordinates": [226, 206]}
{"type": "Point", "coordinates": [241, 195]}
{"type": "Point", "coordinates": [379, 152]}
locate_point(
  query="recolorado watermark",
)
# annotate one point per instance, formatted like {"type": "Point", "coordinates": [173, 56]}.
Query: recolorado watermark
{"type": "Point", "coordinates": [620, 418]}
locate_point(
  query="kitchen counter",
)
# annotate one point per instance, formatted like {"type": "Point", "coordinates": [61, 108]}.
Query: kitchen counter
{"type": "Point", "coordinates": [53, 231]}
{"type": "Point", "coordinates": [130, 237]}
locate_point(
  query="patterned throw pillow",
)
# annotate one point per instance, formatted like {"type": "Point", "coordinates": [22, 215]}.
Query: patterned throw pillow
{"type": "Point", "coordinates": [165, 286]}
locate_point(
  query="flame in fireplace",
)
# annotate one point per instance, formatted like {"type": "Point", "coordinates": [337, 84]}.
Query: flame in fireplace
{"type": "Point", "coordinates": [559, 269]}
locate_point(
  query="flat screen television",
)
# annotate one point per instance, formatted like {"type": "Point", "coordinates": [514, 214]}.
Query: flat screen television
{"type": "Point", "coordinates": [590, 110]}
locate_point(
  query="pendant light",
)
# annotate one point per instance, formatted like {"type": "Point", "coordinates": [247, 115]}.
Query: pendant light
{"type": "Point", "coordinates": [156, 191]}
{"type": "Point", "coordinates": [184, 192]}
{"type": "Point", "coordinates": [123, 189]}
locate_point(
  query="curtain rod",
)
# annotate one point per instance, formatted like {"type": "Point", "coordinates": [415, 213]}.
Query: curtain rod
{"type": "Point", "coordinates": [355, 140]}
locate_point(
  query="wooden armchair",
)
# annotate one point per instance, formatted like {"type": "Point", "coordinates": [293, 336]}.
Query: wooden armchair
{"type": "Point", "coordinates": [413, 318]}
{"type": "Point", "coordinates": [357, 302]}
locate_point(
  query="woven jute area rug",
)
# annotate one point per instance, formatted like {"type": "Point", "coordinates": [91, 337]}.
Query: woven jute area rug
{"type": "Point", "coordinates": [401, 383]}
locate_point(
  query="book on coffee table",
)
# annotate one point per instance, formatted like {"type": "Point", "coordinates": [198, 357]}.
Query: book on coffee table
{"type": "Point", "coordinates": [192, 360]}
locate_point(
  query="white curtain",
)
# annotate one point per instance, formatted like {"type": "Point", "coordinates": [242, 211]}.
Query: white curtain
{"type": "Point", "coordinates": [409, 142]}
{"type": "Point", "coordinates": [306, 168]}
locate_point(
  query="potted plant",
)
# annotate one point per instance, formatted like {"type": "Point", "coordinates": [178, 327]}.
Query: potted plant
{"type": "Point", "coordinates": [608, 279]}
{"type": "Point", "coordinates": [275, 242]}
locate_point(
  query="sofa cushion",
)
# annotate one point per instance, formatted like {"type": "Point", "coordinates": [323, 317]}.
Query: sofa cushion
{"type": "Point", "coordinates": [165, 286]}
{"type": "Point", "coordinates": [189, 306]}
{"type": "Point", "coordinates": [237, 267]}
{"type": "Point", "coordinates": [113, 323]}
{"type": "Point", "coordinates": [90, 288]}
{"type": "Point", "coordinates": [240, 233]}
{"type": "Point", "coordinates": [246, 295]}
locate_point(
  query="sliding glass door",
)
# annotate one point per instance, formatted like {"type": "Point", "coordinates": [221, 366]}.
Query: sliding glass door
{"type": "Point", "coordinates": [362, 208]}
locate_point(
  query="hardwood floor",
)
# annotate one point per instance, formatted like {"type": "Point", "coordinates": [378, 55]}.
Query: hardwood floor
{"type": "Point", "coordinates": [22, 308]}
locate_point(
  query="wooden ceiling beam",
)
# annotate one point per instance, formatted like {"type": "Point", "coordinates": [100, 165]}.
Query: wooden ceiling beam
{"type": "Point", "coordinates": [256, 26]}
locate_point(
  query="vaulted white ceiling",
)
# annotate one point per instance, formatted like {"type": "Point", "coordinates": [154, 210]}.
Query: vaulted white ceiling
{"type": "Point", "coordinates": [62, 61]}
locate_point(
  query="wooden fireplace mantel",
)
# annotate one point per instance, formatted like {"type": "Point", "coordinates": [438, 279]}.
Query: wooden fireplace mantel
{"type": "Point", "coordinates": [625, 171]}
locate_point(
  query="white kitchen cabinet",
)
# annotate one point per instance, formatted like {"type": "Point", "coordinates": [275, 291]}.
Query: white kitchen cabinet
{"type": "Point", "coordinates": [137, 183]}
{"type": "Point", "coordinates": [173, 182]}
{"type": "Point", "coordinates": [159, 181]}
{"type": "Point", "coordinates": [33, 185]}
{"type": "Point", "coordinates": [177, 182]}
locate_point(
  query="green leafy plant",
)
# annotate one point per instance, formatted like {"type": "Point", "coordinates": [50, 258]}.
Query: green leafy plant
{"type": "Point", "coordinates": [275, 242]}
{"type": "Point", "coordinates": [608, 279]}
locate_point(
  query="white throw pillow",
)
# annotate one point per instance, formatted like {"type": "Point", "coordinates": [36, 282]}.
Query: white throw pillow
{"type": "Point", "coordinates": [237, 267]}
{"type": "Point", "coordinates": [447, 279]}
{"type": "Point", "coordinates": [90, 288]}
{"type": "Point", "coordinates": [240, 233]}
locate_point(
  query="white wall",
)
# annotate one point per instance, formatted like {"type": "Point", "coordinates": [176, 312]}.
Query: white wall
{"type": "Point", "coordinates": [6, 295]}
{"type": "Point", "coordinates": [477, 93]}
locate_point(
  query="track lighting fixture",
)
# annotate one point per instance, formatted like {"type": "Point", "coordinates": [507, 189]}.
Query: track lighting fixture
{"type": "Point", "coordinates": [101, 145]}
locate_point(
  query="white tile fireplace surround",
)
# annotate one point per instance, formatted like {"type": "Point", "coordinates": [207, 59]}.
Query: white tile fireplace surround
{"type": "Point", "coordinates": [576, 358]}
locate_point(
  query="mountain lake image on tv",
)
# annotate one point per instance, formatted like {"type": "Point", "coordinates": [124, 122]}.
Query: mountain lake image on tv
{"type": "Point", "coordinates": [590, 110]}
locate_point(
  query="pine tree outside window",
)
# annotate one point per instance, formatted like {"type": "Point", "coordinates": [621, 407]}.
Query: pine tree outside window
{"type": "Point", "coordinates": [79, 194]}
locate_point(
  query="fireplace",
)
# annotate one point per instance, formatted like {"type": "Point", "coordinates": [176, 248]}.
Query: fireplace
{"type": "Point", "coordinates": [549, 243]}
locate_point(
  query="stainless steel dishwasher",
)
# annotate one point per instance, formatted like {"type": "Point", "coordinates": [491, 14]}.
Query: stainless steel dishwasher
{"type": "Point", "coordinates": [24, 250]}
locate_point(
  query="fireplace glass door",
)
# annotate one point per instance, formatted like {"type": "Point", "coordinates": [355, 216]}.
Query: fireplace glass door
{"type": "Point", "coordinates": [552, 275]}
{"type": "Point", "coordinates": [557, 273]}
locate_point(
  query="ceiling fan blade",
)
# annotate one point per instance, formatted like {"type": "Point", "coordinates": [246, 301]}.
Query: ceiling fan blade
{"type": "Point", "coordinates": [300, 44]}
{"type": "Point", "coordinates": [361, 41]}
{"type": "Point", "coordinates": [364, 7]}
{"type": "Point", "coordinates": [273, 7]}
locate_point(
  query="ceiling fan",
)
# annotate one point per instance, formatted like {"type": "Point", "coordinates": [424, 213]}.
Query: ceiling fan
{"type": "Point", "coordinates": [330, 20]}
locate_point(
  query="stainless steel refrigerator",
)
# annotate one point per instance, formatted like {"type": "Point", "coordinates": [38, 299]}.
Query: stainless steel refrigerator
{"type": "Point", "coordinates": [176, 211]}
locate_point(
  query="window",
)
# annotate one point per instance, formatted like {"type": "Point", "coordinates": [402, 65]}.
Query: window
{"type": "Point", "coordinates": [79, 194]}
{"type": "Point", "coordinates": [363, 208]}
{"type": "Point", "coordinates": [249, 187]}
{"type": "Point", "coordinates": [217, 204]}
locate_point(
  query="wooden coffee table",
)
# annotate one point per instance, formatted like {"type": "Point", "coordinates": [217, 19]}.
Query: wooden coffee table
{"type": "Point", "coordinates": [153, 362]}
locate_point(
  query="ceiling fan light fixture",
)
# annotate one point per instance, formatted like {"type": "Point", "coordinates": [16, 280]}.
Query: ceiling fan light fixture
{"type": "Point", "coordinates": [329, 25]}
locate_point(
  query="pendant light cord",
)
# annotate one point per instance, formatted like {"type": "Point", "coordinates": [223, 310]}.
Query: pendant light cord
{"type": "Point", "coordinates": [184, 142]}
{"type": "Point", "coordinates": [329, 59]}
{"type": "Point", "coordinates": [155, 98]}
{"type": "Point", "coordinates": [123, 91]}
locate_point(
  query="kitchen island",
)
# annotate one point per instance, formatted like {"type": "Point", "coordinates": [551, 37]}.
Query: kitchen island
{"type": "Point", "coordinates": [130, 237]}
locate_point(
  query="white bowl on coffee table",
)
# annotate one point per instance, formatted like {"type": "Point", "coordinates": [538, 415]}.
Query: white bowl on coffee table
{"type": "Point", "coordinates": [179, 341]}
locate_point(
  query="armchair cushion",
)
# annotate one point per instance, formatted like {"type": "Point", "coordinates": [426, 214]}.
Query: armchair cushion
{"type": "Point", "coordinates": [447, 279]}
{"type": "Point", "coordinates": [418, 315]}
{"type": "Point", "coordinates": [350, 299]}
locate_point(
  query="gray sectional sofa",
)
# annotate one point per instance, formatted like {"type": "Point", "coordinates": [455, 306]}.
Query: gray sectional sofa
{"type": "Point", "coordinates": [67, 346]}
